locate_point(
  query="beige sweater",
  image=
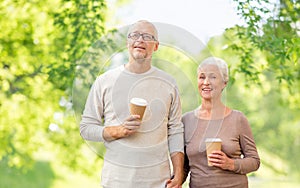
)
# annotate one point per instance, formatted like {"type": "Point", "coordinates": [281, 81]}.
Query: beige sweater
{"type": "Point", "coordinates": [237, 142]}
{"type": "Point", "coordinates": [141, 160]}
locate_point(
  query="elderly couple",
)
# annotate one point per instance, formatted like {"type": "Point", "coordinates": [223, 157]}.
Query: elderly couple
{"type": "Point", "coordinates": [163, 149]}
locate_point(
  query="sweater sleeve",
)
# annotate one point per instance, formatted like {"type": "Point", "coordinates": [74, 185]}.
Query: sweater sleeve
{"type": "Point", "coordinates": [250, 161]}
{"type": "Point", "coordinates": [91, 126]}
{"type": "Point", "coordinates": [175, 126]}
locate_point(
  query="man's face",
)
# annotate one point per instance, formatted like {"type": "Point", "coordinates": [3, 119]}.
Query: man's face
{"type": "Point", "coordinates": [141, 41]}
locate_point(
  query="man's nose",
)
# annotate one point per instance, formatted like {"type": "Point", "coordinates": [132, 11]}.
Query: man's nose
{"type": "Point", "coordinates": [140, 38]}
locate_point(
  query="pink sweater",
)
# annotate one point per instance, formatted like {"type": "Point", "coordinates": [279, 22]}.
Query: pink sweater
{"type": "Point", "coordinates": [237, 142]}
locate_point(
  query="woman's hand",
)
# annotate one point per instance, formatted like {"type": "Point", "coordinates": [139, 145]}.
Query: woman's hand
{"type": "Point", "coordinates": [220, 159]}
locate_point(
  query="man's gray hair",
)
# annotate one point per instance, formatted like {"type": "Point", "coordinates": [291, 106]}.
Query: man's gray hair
{"type": "Point", "coordinates": [146, 22]}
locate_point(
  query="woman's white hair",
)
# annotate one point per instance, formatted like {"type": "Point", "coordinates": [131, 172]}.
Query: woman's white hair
{"type": "Point", "coordinates": [223, 67]}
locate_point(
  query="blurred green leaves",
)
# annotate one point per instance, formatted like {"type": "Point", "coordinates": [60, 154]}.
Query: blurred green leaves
{"type": "Point", "coordinates": [40, 44]}
{"type": "Point", "coordinates": [80, 23]}
{"type": "Point", "coordinates": [274, 30]}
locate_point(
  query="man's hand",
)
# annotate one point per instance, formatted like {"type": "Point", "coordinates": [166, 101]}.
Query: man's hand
{"type": "Point", "coordinates": [173, 183]}
{"type": "Point", "coordinates": [129, 127]}
{"type": "Point", "coordinates": [177, 161]}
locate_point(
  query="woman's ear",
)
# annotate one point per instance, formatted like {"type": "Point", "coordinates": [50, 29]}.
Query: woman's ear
{"type": "Point", "coordinates": [225, 84]}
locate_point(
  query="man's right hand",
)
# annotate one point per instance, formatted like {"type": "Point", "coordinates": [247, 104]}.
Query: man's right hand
{"type": "Point", "coordinates": [129, 127]}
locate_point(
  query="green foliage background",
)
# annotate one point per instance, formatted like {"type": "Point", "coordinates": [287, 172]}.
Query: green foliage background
{"type": "Point", "coordinates": [41, 46]}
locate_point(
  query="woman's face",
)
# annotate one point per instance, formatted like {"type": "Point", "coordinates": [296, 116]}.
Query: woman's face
{"type": "Point", "coordinates": [210, 82]}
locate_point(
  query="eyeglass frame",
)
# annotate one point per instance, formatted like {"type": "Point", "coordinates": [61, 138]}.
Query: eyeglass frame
{"type": "Point", "coordinates": [141, 34]}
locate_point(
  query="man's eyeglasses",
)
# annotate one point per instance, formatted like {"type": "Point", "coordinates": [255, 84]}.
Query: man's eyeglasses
{"type": "Point", "coordinates": [145, 36]}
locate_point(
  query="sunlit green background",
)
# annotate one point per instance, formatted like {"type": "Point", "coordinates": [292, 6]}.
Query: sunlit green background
{"type": "Point", "coordinates": [41, 42]}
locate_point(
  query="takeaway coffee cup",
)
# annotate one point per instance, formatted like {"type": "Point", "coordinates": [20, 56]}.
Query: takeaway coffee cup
{"type": "Point", "coordinates": [138, 107]}
{"type": "Point", "coordinates": [212, 144]}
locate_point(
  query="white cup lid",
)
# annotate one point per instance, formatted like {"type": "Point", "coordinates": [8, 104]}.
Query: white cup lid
{"type": "Point", "coordinates": [139, 101]}
{"type": "Point", "coordinates": [213, 140]}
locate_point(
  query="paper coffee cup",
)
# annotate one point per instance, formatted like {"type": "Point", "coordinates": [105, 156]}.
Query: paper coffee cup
{"type": "Point", "coordinates": [138, 107]}
{"type": "Point", "coordinates": [212, 144]}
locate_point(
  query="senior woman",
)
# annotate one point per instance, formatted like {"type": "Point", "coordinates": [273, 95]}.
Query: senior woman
{"type": "Point", "coordinates": [213, 119]}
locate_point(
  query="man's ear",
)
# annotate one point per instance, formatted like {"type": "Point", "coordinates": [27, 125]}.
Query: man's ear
{"type": "Point", "coordinates": [156, 46]}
